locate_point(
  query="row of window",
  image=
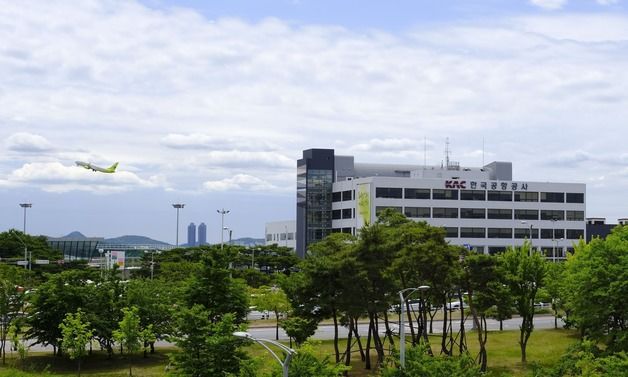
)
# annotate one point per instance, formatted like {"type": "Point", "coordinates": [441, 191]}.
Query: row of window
{"type": "Point", "coordinates": [557, 252]}
{"type": "Point", "coordinates": [342, 196]}
{"type": "Point", "coordinates": [474, 232]}
{"type": "Point", "coordinates": [279, 236]}
{"type": "Point", "coordinates": [483, 213]}
{"type": "Point", "coordinates": [497, 196]}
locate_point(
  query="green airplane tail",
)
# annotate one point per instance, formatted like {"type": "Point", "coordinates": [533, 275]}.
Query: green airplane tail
{"type": "Point", "coordinates": [113, 167]}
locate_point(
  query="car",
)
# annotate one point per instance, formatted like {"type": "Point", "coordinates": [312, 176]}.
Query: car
{"type": "Point", "coordinates": [455, 305]}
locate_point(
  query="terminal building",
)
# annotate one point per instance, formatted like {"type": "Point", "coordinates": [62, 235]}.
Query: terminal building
{"type": "Point", "coordinates": [481, 208]}
{"type": "Point", "coordinates": [281, 233]}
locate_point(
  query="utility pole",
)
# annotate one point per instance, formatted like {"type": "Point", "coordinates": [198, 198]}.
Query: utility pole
{"type": "Point", "coordinates": [25, 205]}
{"type": "Point", "coordinates": [222, 213]}
{"type": "Point", "coordinates": [178, 206]}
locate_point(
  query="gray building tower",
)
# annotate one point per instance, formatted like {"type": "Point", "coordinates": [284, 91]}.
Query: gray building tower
{"type": "Point", "coordinates": [202, 234]}
{"type": "Point", "coordinates": [191, 234]}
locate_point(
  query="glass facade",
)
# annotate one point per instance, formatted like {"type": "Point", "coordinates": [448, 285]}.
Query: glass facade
{"type": "Point", "coordinates": [318, 202]}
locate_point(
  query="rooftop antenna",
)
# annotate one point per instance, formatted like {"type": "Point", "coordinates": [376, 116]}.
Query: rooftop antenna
{"type": "Point", "coordinates": [447, 152]}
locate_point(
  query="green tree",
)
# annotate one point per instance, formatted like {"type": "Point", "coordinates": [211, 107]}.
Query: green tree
{"type": "Point", "coordinates": [586, 359]}
{"type": "Point", "coordinates": [207, 347]}
{"type": "Point", "coordinates": [271, 299]}
{"type": "Point", "coordinates": [305, 364]}
{"type": "Point", "coordinates": [524, 273]}
{"type": "Point", "coordinates": [63, 293]}
{"type": "Point", "coordinates": [103, 307]}
{"type": "Point", "coordinates": [17, 340]}
{"type": "Point", "coordinates": [11, 300]}
{"type": "Point", "coordinates": [76, 334]}
{"type": "Point", "coordinates": [299, 329]}
{"type": "Point", "coordinates": [130, 334]}
{"type": "Point", "coordinates": [155, 304]}
{"type": "Point", "coordinates": [596, 286]}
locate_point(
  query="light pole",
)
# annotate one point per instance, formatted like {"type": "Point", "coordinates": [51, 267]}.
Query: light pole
{"type": "Point", "coordinates": [402, 326]}
{"type": "Point", "coordinates": [285, 364]}
{"type": "Point", "coordinates": [178, 206]}
{"type": "Point", "coordinates": [525, 222]}
{"type": "Point", "coordinates": [222, 213]}
{"type": "Point", "coordinates": [25, 205]}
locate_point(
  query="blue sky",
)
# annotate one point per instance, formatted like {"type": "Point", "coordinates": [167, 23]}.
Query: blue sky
{"type": "Point", "coordinates": [210, 103]}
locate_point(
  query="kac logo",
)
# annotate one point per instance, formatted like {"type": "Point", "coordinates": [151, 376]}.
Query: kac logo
{"type": "Point", "coordinates": [456, 184]}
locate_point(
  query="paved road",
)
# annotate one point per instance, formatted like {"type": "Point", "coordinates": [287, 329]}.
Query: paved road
{"type": "Point", "coordinates": [326, 332]}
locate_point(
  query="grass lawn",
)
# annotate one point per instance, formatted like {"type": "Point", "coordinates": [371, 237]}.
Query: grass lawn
{"type": "Point", "coordinates": [544, 347]}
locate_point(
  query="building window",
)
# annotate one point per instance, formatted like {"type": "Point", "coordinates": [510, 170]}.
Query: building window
{"type": "Point", "coordinates": [346, 230]}
{"type": "Point", "coordinates": [553, 197]}
{"type": "Point", "coordinates": [445, 194]}
{"type": "Point", "coordinates": [445, 213]}
{"type": "Point", "coordinates": [503, 214]}
{"type": "Point", "coordinates": [346, 196]}
{"type": "Point", "coordinates": [416, 193]}
{"type": "Point", "coordinates": [524, 196]}
{"type": "Point", "coordinates": [336, 196]}
{"type": "Point", "coordinates": [379, 209]}
{"type": "Point", "coordinates": [552, 234]}
{"type": "Point", "coordinates": [335, 230]}
{"type": "Point", "coordinates": [574, 234]}
{"type": "Point", "coordinates": [472, 233]}
{"type": "Point", "coordinates": [291, 236]}
{"type": "Point", "coordinates": [526, 214]}
{"type": "Point", "coordinates": [336, 214]}
{"type": "Point", "coordinates": [472, 213]}
{"type": "Point", "coordinates": [500, 196]}
{"type": "Point", "coordinates": [499, 233]}
{"type": "Point", "coordinates": [472, 195]}
{"type": "Point", "coordinates": [417, 212]}
{"type": "Point", "coordinates": [451, 232]}
{"type": "Point", "coordinates": [388, 192]}
{"type": "Point", "coordinates": [575, 197]}
{"type": "Point", "coordinates": [269, 237]}
{"type": "Point", "coordinates": [547, 214]}
{"type": "Point", "coordinates": [574, 215]}
{"type": "Point", "coordinates": [525, 233]}
{"type": "Point", "coordinates": [347, 213]}
{"type": "Point", "coordinates": [496, 249]}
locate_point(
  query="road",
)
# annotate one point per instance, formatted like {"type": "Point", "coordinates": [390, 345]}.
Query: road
{"type": "Point", "coordinates": [326, 332]}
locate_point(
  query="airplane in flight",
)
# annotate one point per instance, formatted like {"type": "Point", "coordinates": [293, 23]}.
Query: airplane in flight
{"type": "Point", "coordinates": [89, 166]}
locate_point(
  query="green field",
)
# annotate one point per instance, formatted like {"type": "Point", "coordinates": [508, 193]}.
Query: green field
{"type": "Point", "coordinates": [545, 347]}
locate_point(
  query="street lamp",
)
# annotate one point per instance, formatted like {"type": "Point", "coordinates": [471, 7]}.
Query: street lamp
{"type": "Point", "coordinates": [402, 326]}
{"type": "Point", "coordinates": [285, 364]}
{"type": "Point", "coordinates": [25, 205]}
{"type": "Point", "coordinates": [222, 213]}
{"type": "Point", "coordinates": [25, 249]}
{"type": "Point", "coordinates": [525, 222]}
{"type": "Point", "coordinates": [178, 206]}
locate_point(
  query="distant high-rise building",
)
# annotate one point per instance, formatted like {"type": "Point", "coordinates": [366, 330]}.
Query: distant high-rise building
{"type": "Point", "coordinates": [202, 234]}
{"type": "Point", "coordinates": [191, 234]}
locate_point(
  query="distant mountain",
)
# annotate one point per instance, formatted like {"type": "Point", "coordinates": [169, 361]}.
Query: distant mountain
{"type": "Point", "coordinates": [75, 235]}
{"type": "Point", "coordinates": [134, 240]}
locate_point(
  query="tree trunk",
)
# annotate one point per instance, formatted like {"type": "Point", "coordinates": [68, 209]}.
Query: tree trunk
{"type": "Point", "coordinates": [388, 330]}
{"type": "Point", "coordinates": [79, 367]}
{"type": "Point", "coordinates": [336, 350]}
{"type": "Point", "coordinates": [276, 326]}
{"type": "Point", "coordinates": [501, 325]}
{"type": "Point", "coordinates": [152, 348]}
{"type": "Point", "coordinates": [463, 340]}
{"type": "Point", "coordinates": [443, 341]}
{"type": "Point", "coordinates": [357, 337]}
{"type": "Point", "coordinates": [367, 365]}
{"type": "Point", "coordinates": [348, 350]}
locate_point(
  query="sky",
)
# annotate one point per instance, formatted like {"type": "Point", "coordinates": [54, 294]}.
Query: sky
{"type": "Point", "coordinates": [210, 103]}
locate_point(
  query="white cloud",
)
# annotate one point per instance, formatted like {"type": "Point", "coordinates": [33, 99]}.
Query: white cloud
{"type": "Point", "coordinates": [27, 142]}
{"type": "Point", "coordinates": [607, 2]}
{"type": "Point", "coordinates": [242, 182]}
{"type": "Point", "coordinates": [55, 177]}
{"type": "Point", "coordinates": [549, 4]}
{"type": "Point", "coordinates": [207, 142]}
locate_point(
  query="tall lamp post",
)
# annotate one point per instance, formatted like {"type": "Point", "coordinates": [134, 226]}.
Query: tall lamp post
{"type": "Point", "coordinates": [178, 206]}
{"type": "Point", "coordinates": [285, 364]}
{"type": "Point", "coordinates": [25, 205]}
{"type": "Point", "coordinates": [25, 249]}
{"type": "Point", "coordinates": [525, 222]}
{"type": "Point", "coordinates": [222, 213]}
{"type": "Point", "coordinates": [402, 320]}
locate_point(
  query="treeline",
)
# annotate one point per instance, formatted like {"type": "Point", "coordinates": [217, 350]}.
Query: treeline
{"type": "Point", "coordinates": [197, 297]}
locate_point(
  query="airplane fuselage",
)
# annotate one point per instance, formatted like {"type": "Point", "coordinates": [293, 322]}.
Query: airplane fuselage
{"type": "Point", "coordinates": [93, 167]}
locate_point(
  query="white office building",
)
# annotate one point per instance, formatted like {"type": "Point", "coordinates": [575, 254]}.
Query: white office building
{"type": "Point", "coordinates": [480, 208]}
{"type": "Point", "coordinates": [281, 233]}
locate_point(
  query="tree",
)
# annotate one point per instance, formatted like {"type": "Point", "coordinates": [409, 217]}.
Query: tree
{"type": "Point", "coordinates": [596, 287]}
{"type": "Point", "coordinates": [554, 281]}
{"type": "Point", "coordinates": [76, 333]}
{"type": "Point", "coordinates": [305, 364]}
{"type": "Point", "coordinates": [63, 293]}
{"type": "Point", "coordinates": [104, 304]}
{"type": "Point", "coordinates": [271, 299]}
{"type": "Point", "coordinates": [17, 340]}
{"type": "Point", "coordinates": [11, 300]}
{"type": "Point", "coordinates": [524, 272]}
{"type": "Point", "coordinates": [299, 329]}
{"type": "Point", "coordinates": [130, 334]}
{"type": "Point", "coordinates": [207, 347]}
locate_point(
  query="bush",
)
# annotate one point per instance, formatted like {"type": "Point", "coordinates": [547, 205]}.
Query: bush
{"type": "Point", "coordinates": [586, 359]}
{"type": "Point", "coordinates": [420, 364]}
